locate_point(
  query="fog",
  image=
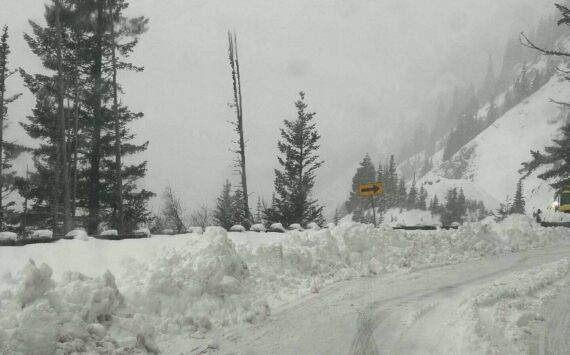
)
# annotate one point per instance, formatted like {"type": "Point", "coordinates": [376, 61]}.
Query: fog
{"type": "Point", "coordinates": [368, 67]}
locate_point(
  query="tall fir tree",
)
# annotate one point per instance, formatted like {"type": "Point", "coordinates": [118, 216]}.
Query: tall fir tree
{"type": "Point", "coordinates": [299, 161]}
{"type": "Point", "coordinates": [364, 173]}
{"type": "Point", "coordinates": [87, 39]}
{"type": "Point", "coordinates": [223, 213]}
{"type": "Point", "coordinates": [518, 206]}
{"type": "Point", "coordinates": [8, 151]}
{"type": "Point", "coordinates": [413, 195]}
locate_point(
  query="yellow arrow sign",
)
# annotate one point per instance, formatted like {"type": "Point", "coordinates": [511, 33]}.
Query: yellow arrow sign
{"type": "Point", "coordinates": [371, 189]}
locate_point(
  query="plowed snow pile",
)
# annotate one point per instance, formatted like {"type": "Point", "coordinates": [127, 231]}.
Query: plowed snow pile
{"type": "Point", "coordinates": [198, 283]}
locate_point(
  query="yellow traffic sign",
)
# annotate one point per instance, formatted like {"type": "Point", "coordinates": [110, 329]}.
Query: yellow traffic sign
{"type": "Point", "coordinates": [371, 189]}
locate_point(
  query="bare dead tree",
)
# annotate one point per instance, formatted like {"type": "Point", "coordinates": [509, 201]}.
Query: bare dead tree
{"type": "Point", "coordinates": [172, 210]}
{"type": "Point", "coordinates": [201, 217]}
{"type": "Point", "coordinates": [236, 78]}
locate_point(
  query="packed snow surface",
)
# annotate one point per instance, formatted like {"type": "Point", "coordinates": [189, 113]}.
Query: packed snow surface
{"type": "Point", "coordinates": [138, 295]}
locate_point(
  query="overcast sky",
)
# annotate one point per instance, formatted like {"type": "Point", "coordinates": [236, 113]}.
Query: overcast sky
{"type": "Point", "coordinates": [367, 66]}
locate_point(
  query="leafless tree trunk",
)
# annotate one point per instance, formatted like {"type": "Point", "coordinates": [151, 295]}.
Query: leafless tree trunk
{"type": "Point", "coordinates": [234, 63]}
{"type": "Point", "coordinates": [116, 118]}
{"type": "Point", "coordinates": [67, 222]}
{"type": "Point", "coordinates": [172, 210]}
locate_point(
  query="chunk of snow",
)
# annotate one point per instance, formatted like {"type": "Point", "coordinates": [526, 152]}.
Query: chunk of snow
{"type": "Point", "coordinates": [167, 231]}
{"type": "Point", "coordinates": [314, 226]}
{"type": "Point", "coordinates": [295, 227]}
{"type": "Point", "coordinates": [8, 236]}
{"type": "Point", "coordinates": [277, 227]}
{"type": "Point", "coordinates": [258, 228]}
{"type": "Point", "coordinates": [143, 231]}
{"type": "Point", "coordinates": [110, 232]}
{"type": "Point", "coordinates": [42, 233]}
{"type": "Point", "coordinates": [195, 230]}
{"type": "Point", "coordinates": [78, 234]}
{"type": "Point", "coordinates": [237, 228]}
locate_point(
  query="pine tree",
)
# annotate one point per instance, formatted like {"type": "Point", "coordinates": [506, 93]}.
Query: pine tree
{"type": "Point", "coordinates": [435, 208]}
{"type": "Point", "coordinates": [518, 206]}
{"type": "Point", "coordinates": [8, 151]}
{"type": "Point", "coordinates": [413, 195]}
{"type": "Point", "coordinates": [223, 213]}
{"type": "Point", "coordinates": [299, 160]}
{"type": "Point", "coordinates": [364, 174]}
{"type": "Point", "coordinates": [422, 202]}
{"type": "Point", "coordinates": [87, 41]}
{"type": "Point", "coordinates": [238, 216]}
{"type": "Point", "coordinates": [402, 194]}
{"type": "Point", "coordinates": [259, 211]}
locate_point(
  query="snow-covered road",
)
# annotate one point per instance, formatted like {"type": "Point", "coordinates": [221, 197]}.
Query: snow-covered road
{"type": "Point", "coordinates": [424, 312]}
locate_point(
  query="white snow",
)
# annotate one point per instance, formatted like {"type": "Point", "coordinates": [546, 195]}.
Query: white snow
{"type": "Point", "coordinates": [8, 236]}
{"type": "Point", "coordinates": [487, 167]}
{"type": "Point", "coordinates": [295, 227]}
{"type": "Point", "coordinates": [143, 231]}
{"type": "Point", "coordinates": [113, 232]}
{"type": "Point", "coordinates": [258, 228]}
{"type": "Point", "coordinates": [276, 227]}
{"type": "Point", "coordinates": [78, 234]}
{"type": "Point", "coordinates": [314, 226]}
{"type": "Point", "coordinates": [168, 288]}
{"type": "Point", "coordinates": [42, 233]}
{"type": "Point", "coordinates": [237, 228]}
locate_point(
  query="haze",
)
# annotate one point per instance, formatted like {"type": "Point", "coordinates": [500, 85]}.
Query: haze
{"type": "Point", "coordinates": [368, 68]}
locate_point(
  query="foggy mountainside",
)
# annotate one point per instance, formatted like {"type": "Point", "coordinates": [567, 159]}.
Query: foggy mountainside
{"type": "Point", "coordinates": [253, 177]}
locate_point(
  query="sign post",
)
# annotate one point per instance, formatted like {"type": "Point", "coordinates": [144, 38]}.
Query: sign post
{"type": "Point", "coordinates": [371, 189]}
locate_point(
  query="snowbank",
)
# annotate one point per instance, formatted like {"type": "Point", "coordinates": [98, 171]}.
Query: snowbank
{"type": "Point", "coordinates": [188, 285]}
{"type": "Point", "coordinates": [42, 233]}
{"type": "Point", "coordinates": [78, 234]}
{"type": "Point", "coordinates": [11, 236]}
{"type": "Point", "coordinates": [258, 228]}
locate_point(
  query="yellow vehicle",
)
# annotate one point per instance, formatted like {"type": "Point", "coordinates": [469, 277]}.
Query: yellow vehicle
{"type": "Point", "coordinates": [564, 200]}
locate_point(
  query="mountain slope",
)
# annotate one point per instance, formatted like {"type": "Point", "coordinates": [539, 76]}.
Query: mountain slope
{"type": "Point", "coordinates": [487, 167]}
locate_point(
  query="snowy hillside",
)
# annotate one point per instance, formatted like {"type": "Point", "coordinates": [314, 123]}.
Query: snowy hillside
{"type": "Point", "coordinates": [487, 167]}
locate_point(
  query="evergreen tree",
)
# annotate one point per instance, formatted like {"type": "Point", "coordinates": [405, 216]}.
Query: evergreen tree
{"type": "Point", "coordinates": [413, 196]}
{"type": "Point", "coordinates": [8, 151]}
{"type": "Point", "coordinates": [365, 173]}
{"type": "Point", "coordinates": [422, 202]}
{"type": "Point", "coordinates": [223, 213]}
{"type": "Point", "coordinates": [238, 215]}
{"type": "Point", "coordinates": [259, 211]}
{"type": "Point", "coordinates": [518, 206]}
{"type": "Point", "coordinates": [299, 160]}
{"type": "Point", "coordinates": [451, 212]}
{"type": "Point", "coordinates": [89, 31]}
{"type": "Point", "coordinates": [435, 208]}
{"type": "Point", "coordinates": [402, 194]}
{"type": "Point", "coordinates": [461, 205]}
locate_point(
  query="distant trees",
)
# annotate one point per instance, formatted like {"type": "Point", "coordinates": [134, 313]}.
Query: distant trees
{"type": "Point", "coordinates": [364, 173]}
{"type": "Point", "coordinates": [294, 182]}
{"type": "Point", "coordinates": [556, 156]}
{"type": "Point", "coordinates": [78, 119]}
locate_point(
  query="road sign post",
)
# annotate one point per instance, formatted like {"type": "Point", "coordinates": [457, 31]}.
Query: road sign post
{"type": "Point", "coordinates": [371, 189]}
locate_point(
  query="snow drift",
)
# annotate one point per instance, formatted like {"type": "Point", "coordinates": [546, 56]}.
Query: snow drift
{"type": "Point", "coordinates": [197, 283]}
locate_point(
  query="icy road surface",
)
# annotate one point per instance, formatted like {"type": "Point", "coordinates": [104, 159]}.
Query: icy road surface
{"type": "Point", "coordinates": [424, 312]}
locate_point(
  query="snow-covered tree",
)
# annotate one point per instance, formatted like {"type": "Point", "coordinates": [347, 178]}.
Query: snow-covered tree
{"type": "Point", "coordinates": [364, 173]}
{"type": "Point", "coordinates": [223, 215]}
{"type": "Point", "coordinates": [518, 206]}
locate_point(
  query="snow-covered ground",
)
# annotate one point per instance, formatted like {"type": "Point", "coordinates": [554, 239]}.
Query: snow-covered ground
{"type": "Point", "coordinates": [220, 292]}
{"type": "Point", "coordinates": [487, 167]}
